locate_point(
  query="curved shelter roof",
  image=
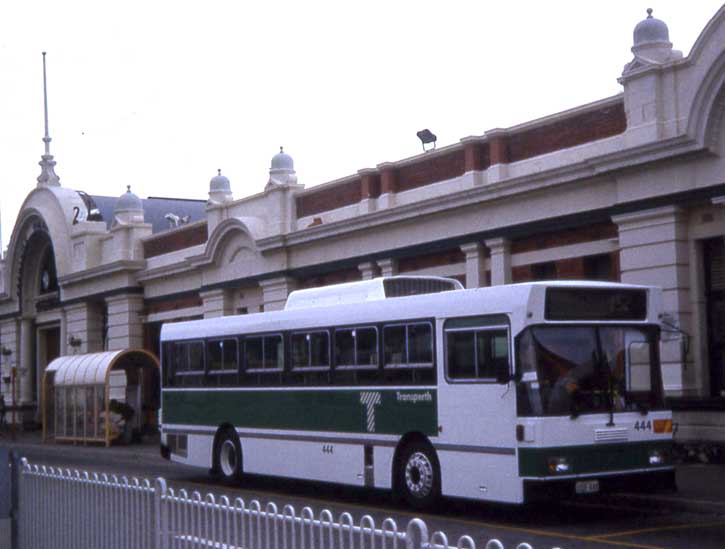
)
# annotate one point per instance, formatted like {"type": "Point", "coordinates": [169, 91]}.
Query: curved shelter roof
{"type": "Point", "coordinates": [92, 368]}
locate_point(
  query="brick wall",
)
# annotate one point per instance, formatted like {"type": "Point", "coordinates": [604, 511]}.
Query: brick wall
{"type": "Point", "coordinates": [569, 132]}
{"type": "Point", "coordinates": [598, 267]}
{"type": "Point", "coordinates": [174, 304]}
{"type": "Point", "coordinates": [575, 235]}
{"type": "Point", "coordinates": [438, 259]}
{"type": "Point", "coordinates": [329, 198]}
{"type": "Point", "coordinates": [337, 277]}
{"type": "Point", "coordinates": [431, 170]}
{"type": "Point", "coordinates": [508, 147]}
{"type": "Point", "coordinates": [178, 239]}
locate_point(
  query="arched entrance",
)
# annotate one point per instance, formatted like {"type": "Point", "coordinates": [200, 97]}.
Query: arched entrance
{"type": "Point", "coordinates": [40, 332]}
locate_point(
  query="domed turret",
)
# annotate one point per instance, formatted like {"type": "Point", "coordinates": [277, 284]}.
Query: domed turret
{"type": "Point", "coordinates": [282, 171]}
{"type": "Point", "coordinates": [219, 183]}
{"type": "Point", "coordinates": [651, 31]}
{"type": "Point", "coordinates": [652, 42]}
{"type": "Point", "coordinates": [282, 162]}
{"type": "Point", "coordinates": [128, 202]}
{"type": "Point", "coordinates": [220, 190]}
{"type": "Point", "coordinates": [129, 208]}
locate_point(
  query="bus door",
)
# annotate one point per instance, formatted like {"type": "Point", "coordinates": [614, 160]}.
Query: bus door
{"type": "Point", "coordinates": [476, 410]}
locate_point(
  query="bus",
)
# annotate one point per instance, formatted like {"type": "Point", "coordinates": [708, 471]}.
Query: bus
{"type": "Point", "coordinates": [415, 385]}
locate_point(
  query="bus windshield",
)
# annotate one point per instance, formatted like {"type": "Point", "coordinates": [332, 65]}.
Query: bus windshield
{"type": "Point", "coordinates": [572, 370]}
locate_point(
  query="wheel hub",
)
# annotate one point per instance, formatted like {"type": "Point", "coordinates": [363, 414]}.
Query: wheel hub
{"type": "Point", "coordinates": [419, 475]}
{"type": "Point", "coordinates": [228, 458]}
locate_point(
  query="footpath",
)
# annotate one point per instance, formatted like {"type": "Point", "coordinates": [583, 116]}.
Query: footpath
{"type": "Point", "coordinates": [700, 486]}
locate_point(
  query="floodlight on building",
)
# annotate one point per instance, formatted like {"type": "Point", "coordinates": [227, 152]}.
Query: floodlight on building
{"type": "Point", "coordinates": [426, 136]}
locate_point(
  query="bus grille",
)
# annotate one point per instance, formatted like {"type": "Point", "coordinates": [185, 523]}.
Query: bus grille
{"type": "Point", "coordinates": [611, 435]}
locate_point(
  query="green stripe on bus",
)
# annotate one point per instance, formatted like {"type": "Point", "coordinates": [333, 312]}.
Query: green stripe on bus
{"type": "Point", "coordinates": [381, 411]}
{"type": "Point", "coordinates": [602, 458]}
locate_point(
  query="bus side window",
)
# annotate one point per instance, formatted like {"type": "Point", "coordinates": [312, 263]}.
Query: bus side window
{"type": "Point", "coordinates": [169, 364]}
{"type": "Point", "coordinates": [356, 356]}
{"type": "Point", "coordinates": [310, 355]}
{"type": "Point", "coordinates": [253, 353]}
{"type": "Point", "coordinates": [264, 360]}
{"type": "Point", "coordinates": [189, 367]}
{"type": "Point", "coordinates": [475, 353]}
{"type": "Point", "coordinates": [408, 353]}
{"type": "Point", "coordinates": [222, 362]}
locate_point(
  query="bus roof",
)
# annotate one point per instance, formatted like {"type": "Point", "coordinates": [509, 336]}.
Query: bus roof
{"type": "Point", "coordinates": [369, 290]}
{"type": "Point", "coordinates": [512, 299]}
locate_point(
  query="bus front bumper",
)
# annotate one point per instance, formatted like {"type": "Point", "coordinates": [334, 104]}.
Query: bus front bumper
{"type": "Point", "coordinates": [662, 480]}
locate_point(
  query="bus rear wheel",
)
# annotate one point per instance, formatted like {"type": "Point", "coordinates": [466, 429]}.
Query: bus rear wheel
{"type": "Point", "coordinates": [419, 476]}
{"type": "Point", "coordinates": [228, 457]}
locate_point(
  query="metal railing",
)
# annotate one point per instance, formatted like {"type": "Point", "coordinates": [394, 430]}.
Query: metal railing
{"type": "Point", "coordinates": [77, 510]}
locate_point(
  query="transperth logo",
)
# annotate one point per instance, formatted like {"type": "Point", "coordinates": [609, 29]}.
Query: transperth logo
{"type": "Point", "coordinates": [370, 399]}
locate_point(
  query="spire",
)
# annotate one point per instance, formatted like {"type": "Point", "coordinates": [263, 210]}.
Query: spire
{"type": "Point", "coordinates": [47, 175]}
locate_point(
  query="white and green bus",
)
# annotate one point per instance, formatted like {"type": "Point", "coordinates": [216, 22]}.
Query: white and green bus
{"type": "Point", "coordinates": [415, 385]}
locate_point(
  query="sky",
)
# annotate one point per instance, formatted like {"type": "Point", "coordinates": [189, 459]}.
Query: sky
{"type": "Point", "coordinates": [158, 94]}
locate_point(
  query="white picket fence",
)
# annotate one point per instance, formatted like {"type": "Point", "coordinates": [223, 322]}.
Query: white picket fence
{"type": "Point", "coordinates": [68, 509]}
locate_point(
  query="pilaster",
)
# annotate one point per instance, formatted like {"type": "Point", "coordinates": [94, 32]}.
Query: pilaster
{"type": "Point", "coordinates": [217, 303]}
{"type": "Point", "coordinates": [368, 269]}
{"type": "Point", "coordinates": [83, 329]}
{"type": "Point", "coordinates": [475, 274]}
{"type": "Point", "coordinates": [388, 267]}
{"type": "Point", "coordinates": [125, 328]}
{"type": "Point", "coordinates": [500, 249]}
{"type": "Point", "coordinates": [275, 292]}
{"type": "Point", "coordinates": [654, 250]}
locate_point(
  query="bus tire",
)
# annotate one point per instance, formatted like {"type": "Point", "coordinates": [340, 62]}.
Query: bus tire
{"type": "Point", "coordinates": [419, 476]}
{"type": "Point", "coordinates": [228, 457]}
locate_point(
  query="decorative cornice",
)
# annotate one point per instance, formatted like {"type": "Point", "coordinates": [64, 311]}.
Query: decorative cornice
{"type": "Point", "coordinates": [540, 180]}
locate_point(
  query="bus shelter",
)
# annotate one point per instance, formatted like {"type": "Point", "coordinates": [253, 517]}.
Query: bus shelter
{"type": "Point", "coordinates": [99, 397]}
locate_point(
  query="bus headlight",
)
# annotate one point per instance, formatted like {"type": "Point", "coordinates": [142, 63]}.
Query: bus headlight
{"type": "Point", "coordinates": [558, 465]}
{"type": "Point", "coordinates": [657, 457]}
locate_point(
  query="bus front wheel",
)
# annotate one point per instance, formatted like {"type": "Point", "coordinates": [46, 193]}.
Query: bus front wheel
{"type": "Point", "coordinates": [419, 476]}
{"type": "Point", "coordinates": [228, 457]}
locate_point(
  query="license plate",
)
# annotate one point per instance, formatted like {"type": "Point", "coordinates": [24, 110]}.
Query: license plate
{"type": "Point", "coordinates": [587, 487]}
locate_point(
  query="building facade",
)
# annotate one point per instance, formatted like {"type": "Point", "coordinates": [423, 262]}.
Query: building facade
{"type": "Point", "coordinates": [630, 188]}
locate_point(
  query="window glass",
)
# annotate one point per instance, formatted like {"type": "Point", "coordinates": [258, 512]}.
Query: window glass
{"type": "Point", "coordinates": [319, 349]}
{"type": "Point", "coordinates": [395, 351]}
{"type": "Point", "coordinates": [408, 354]}
{"type": "Point", "coordinates": [188, 363]}
{"type": "Point", "coordinates": [582, 370]}
{"type": "Point", "coordinates": [254, 347]}
{"type": "Point", "coordinates": [181, 358]}
{"type": "Point", "coordinates": [461, 355]}
{"type": "Point", "coordinates": [345, 347]}
{"type": "Point", "coordinates": [420, 344]}
{"type": "Point", "coordinates": [300, 351]}
{"type": "Point", "coordinates": [169, 363]}
{"type": "Point", "coordinates": [229, 346]}
{"type": "Point", "coordinates": [273, 352]}
{"type": "Point", "coordinates": [491, 352]}
{"type": "Point", "coordinates": [476, 354]}
{"type": "Point", "coordinates": [366, 346]}
{"type": "Point", "coordinates": [196, 356]}
{"type": "Point", "coordinates": [221, 356]}
{"type": "Point", "coordinates": [214, 351]}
